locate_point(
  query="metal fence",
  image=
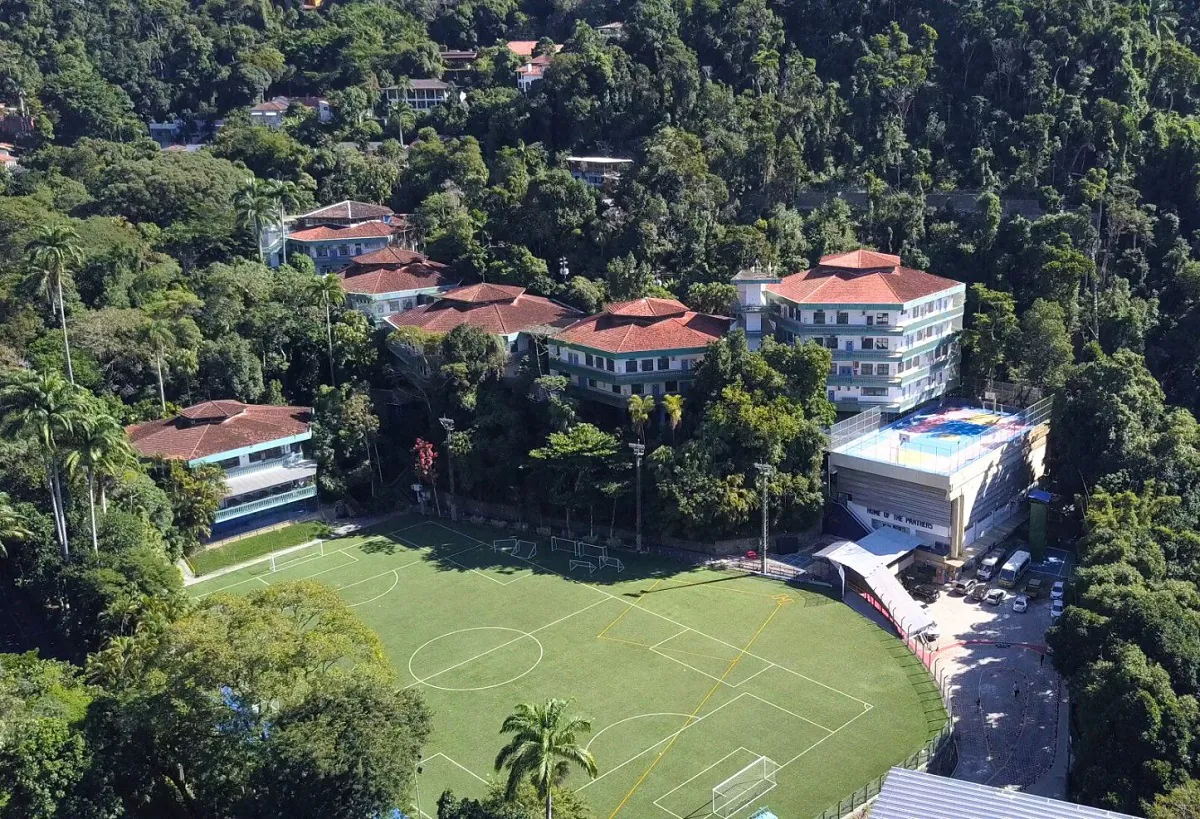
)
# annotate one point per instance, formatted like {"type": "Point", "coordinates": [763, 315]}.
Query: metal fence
{"type": "Point", "coordinates": [843, 432]}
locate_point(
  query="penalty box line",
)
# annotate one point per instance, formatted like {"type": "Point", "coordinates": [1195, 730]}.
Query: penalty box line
{"type": "Point", "coordinates": [866, 705]}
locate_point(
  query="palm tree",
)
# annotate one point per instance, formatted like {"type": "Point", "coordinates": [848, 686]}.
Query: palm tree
{"type": "Point", "coordinates": [12, 524]}
{"type": "Point", "coordinates": [157, 333]}
{"type": "Point", "coordinates": [640, 407]}
{"type": "Point", "coordinates": [673, 404]}
{"type": "Point", "coordinates": [255, 209]}
{"type": "Point", "coordinates": [99, 448]}
{"type": "Point", "coordinates": [543, 748]}
{"type": "Point", "coordinates": [52, 249]}
{"type": "Point", "coordinates": [282, 196]}
{"type": "Point", "coordinates": [44, 407]}
{"type": "Point", "coordinates": [328, 289]}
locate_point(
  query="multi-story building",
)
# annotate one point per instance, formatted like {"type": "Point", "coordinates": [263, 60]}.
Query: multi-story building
{"type": "Point", "coordinates": [420, 95]}
{"type": "Point", "coordinates": [533, 69]}
{"type": "Point", "coordinates": [268, 475]}
{"type": "Point", "coordinates": [598, 171]}
{"type": "Point", "coordinates": [393, 280]}
{"type": "Point", "coordinates": [508, 312]}
{"type": "Point", "coordinates": [642, 347]}
{"type": "Point", "coordinates": [343, 214]}
{"type": "Point", "coordinates": [334, 248]}
{"type": "Point", "coordinates": [892, 330]}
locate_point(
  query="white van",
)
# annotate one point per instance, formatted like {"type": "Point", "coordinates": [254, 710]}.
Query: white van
{"type": "Point", "coordinates": [987, 569]}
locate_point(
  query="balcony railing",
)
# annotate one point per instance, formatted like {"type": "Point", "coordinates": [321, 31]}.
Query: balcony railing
{"type": "Point", "coordinates": [262, 504]}
{"type": "Point", "coordinates": [290, 459]}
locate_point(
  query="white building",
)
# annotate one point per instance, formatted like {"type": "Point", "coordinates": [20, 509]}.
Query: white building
{"type": "Point", "coordinates": [892, 330]}
{"type": "Point", "coordinates": [420, 95]}
{"type": "Point", "coordinates": [394, 280]}
{"type": "Point", "coordinates": [946, 476]}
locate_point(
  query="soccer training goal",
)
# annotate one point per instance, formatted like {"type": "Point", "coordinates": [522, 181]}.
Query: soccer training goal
{"type": "Point", "coordinates": [525, 550]}
{"type": "Point", "coordinates": [507, 544]}
{"type": "Point", "coordinates": [745, 786]}
{"type": "Point", "coordinates": [562, 544]}
{"type": "Point", "coordinates": [298, 554]}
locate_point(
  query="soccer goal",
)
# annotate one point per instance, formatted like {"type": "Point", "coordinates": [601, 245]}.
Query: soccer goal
{"type": "Point", "coordinates": [592, 550]}
{"type": "Point", "coordinates": [525, 550]}
{"type": "Point", "coordinates": [298, 554]}
{"type": "Point", "coordinates": [613, 562]}
{"type": "Point", "coordinates": [562, 544]}
{"type": "Point", "coordinates": [507, 544]}
{"type": "Point", "coordinates": [748, 784]}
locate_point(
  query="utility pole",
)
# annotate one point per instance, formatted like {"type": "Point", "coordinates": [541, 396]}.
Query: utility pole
{"type": "Point", "coordinates": [764, 472]}
{"type": "Point", "coordinates": [448, 425]}
{"type": "Point", "coordinates": [638, 451]}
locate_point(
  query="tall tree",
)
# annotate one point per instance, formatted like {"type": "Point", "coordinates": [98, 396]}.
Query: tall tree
{"type": "Point", "coordinates": [98, 447]}
{"type": "Point", "coordinates": [641, 407]}
{"type": "Point", "coordinates": [673, 406]}
{"type": "Point", "coordinates": [46, 409]}
{"type": "Point", "coordinates": [543, 748]}
{"type": "Point", "coordinates": [157, 333]}
{"type": "Point", "coordinates": [255, 209]}
{"type": "Point", "coordinates": [328, 290]}
{"type": "Point", "coordinates": [12, 524]}
{"type": "Point", "coordinates": [53, 249]}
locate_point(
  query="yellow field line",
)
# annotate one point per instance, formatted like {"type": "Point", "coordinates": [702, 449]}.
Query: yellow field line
{"type": "Point", "coordinates": [732, 665]}
{"type": "Point", "coordinates": [631, 606]}
{"type": "Point", "coordinates": [626, 642]}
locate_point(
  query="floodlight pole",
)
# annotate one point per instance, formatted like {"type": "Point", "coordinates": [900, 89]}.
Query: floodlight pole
{"type": "Point", "coordinates": [638, 451]}
{"type": "Point", "coordinates": [417, 778]}
{"type": "Point", "coordinates": [448, 425]}
{"type": "Point", "coordinates": [764, 471]}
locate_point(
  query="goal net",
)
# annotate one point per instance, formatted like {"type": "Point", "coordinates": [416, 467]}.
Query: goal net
{"type": "Point", "coordinates": [525, 550]}
{"type": "Point", "coordinates": [562, 544]}
{"type": "Point", "coordinates": [748, 784]}
{"type": "Point", "coordinates": [507, 544]}
{"type": "Point", "coordinates": [299, 554]}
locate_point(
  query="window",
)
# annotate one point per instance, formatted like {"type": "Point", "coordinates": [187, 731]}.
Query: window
{"type": "Point", "coordinates": [881, 318]}
{"type": "Point", "coordinates": [647, 365]}
{"type": "Point", "coordinates": [587, 359]}
{"type": "Point", "coordinates": [874, 391]}
{"type": "Point", "coordinates": [881, 344]}
{"type": "Point", "coordinates": [592, 383]}
{"type": "Point", "coordinates": [266, 454]}
{"type": "Point", "coordinates": [656, 389]}
{"type": "Point", "coordinates": [343, 250]}
{"type": "Point", "coordinates": [843, 318]}
{"type": "Point", "coordinates": [664, 363]}
{"type": "Point", "coordinates": [636, 389]}
{"type": "Point", "coordinates": [867, 369]}
{"type": "Point", "coordinates": [845, 369]}
{"type": "Point", "coordinates": [868, 344]}
{"type": "Point", "coordinates": [394, 305]}
{"type": "Point", "coordinates": [408, 304]}
{"type": "Point", "coordinates": [630, 366]}
{"type": "Point", "coordinates": [322, 252]}
{"type": "Point", "coordinates": [610, 364]}
{"type": "Point", "coordinates": [831, 343]}
{"type": "Point", "coordinates": [881, 369]}
{"type": "Point", "coordinates": [229, 463]}
{"type": "Point", "coordinates": [685, 364]}
{"type": "Point", "coordinates": [819, 317]}
{"type": "Point", "coordinates": [572, 358]}
{"type": "Point", "coordinates": [616, 388]}
{"type": "Point", "coordinates": [672, 386]}
{"type": "Point", "coordinates": [870, 320]}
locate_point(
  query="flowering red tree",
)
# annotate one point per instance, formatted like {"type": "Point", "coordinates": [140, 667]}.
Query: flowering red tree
{"type": "Point", "coordinates": [423, 465]}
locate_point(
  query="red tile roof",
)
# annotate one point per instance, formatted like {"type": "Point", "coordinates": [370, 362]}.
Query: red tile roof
{"type": "Point", "coordinates": [622, 333]}
{"type": "Point", "coordinates": [647, 307]}
{"type": "Point", "coordinates": [273, 105]}
{"type": "Point", "coordinates": [348, 209]}
{"type": "Point", "coordinates": [217, 426]}
{"type": "Point", "coordinates": [484, 293]}
{"type": "Point", "coordinates": [502, 316]}
{"type": "Point", "coordinates": [393, 270]}
{"type": "Point", "coordinates": [860, 277]}
{"type": "Point", "coordinates": [323, 233]}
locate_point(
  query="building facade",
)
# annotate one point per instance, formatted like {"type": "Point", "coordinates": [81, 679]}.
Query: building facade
{"type": "Point", "coordinates": [643, 347]}
{"type": "Point", "coordinates": [269, 475]}
{"type": "Point", "coordinates": [420, 95]}
{"type": "Point", "coordinates": [393, 280]}
{"type": "Point", "coordinates": [334, 248]}
{"type": "Point", "coordinates": [892, 330]}
{"type": "Point", "coordinates": [598, 171]}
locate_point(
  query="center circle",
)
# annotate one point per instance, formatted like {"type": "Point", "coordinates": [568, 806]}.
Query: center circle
{"type": "Point", "coordinates": [517, 638]}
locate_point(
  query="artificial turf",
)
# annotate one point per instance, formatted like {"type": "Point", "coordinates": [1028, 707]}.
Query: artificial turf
{"type": "Point", "coordinates": [248, 548]}
{"type": "Point", "coordinates": [687, 674]}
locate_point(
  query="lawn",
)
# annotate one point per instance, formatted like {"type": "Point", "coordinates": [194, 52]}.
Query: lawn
{"type": "Point", "coordinates": [254, 546]}
{"type": "Point", "coordinates": [688, 674]}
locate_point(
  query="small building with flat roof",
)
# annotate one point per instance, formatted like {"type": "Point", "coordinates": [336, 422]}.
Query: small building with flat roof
{"type": "Point", "coordinates": [947, 474]}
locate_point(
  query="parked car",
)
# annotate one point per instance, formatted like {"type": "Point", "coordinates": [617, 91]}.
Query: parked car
{"type": "Point", "coordinates": [1033, 589]}
{"type": "Point", "coordinates": [996, 596]}
{"type": "Point", "coordinates": [964, 586]}
{"type": "Point", "coordinates": [926, 593]}
{"type": "Point", "coordinates": [1058, 590]}
{"type": "Point", "coordinates": [1056, 609]}
{"type": "Point", "coordinates": [979, 591]}
{"type": "Point", "coordinates": [1020, 603]}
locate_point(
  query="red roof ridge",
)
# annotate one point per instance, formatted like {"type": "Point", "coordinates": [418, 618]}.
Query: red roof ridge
{"type": "Point", "coordinates": [860, 259]}
{"type": "Point", "coordinates": [647, 307]}
{"type": "Point", "coordinates": [484, 292]}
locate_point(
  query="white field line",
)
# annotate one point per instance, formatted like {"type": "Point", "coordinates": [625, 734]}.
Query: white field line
{"type": "Point", "coordinates": [866, 705]}
{"type": "Point", "coordinates": [457, 765]}
{"type": "Point", "coordinates": [395, 583]}
{"type": "Point", "coordinates": [505, 644]}
{"type": "Point", "coordinates": [833, 733]}
{"type": "Point", "coordinates": [312, 559]}
{"type": "Point", "coordinates": [693, 777]}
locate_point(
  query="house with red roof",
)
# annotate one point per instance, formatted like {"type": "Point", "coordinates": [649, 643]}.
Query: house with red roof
{"type": "Point", "coordinates": [333, 235]}
{"type": "Point", "coordinates": [892, 330]}
{"type": "Point", "coordinates": [533, 69]}
{"type": "Point", "coordinates": [646, 346]}
{"type": "Point", "coordinates": [393, 280]}
{"type": "Point", "coordinates": [269, 477]}
{"type": "Point", "coordinates": [503, 310]}
{"type": "Point", "coordinates": [270, 113]}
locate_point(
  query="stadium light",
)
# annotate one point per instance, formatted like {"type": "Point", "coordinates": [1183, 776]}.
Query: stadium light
{"type": "Point", "coordinates": [638, 451]}
{"type": "Point", "coordinates": [764, 472]}
{"type": "Point", "coordinates": [448, 425]}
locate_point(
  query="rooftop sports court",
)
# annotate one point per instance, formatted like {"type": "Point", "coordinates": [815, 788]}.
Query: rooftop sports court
{"type": "Point", "coordinates": [694, 679]}
{"type": "Point", "coordinates": [940, 440]}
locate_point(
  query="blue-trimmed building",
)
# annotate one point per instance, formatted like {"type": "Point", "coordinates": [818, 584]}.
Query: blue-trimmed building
{"type": "Point", "coordinates": [892, 330]}
{"type": "Point", "coordinates": [269, 475]}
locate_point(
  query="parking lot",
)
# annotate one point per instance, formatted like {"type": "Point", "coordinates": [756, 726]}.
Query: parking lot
{"type": "Point", "coordinates": [1007, 700]}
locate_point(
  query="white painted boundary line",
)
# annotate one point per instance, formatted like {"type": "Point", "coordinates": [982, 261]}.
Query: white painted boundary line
{"type": "Point", "coordinates": [866, 705]}
{"type": "Point", "coordinates": [312, 559]}
{"type": "Point", "coordinates": [739, 749]}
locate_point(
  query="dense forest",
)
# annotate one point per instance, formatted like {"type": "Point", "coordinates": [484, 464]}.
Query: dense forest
{"type": "Point", "coordinates": [131, 284]}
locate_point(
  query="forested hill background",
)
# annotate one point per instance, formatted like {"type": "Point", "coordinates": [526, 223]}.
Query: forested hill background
{"type": "Point", "coordinates": [734, 113]}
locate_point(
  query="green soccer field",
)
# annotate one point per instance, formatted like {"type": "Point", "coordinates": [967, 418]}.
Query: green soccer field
{"type": "Point", "coordinates": [688, 675]}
